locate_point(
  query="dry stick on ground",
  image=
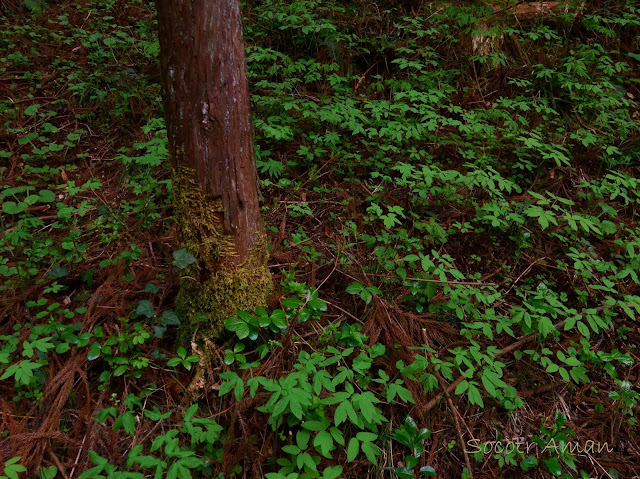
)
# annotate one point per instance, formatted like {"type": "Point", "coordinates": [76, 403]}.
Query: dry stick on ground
{"type": "Point", "coordinates": [56, 461]}
{"type": "Point", "coordinates": [454, 410]}
{"type": "Point", "coordinates": [343, 310]}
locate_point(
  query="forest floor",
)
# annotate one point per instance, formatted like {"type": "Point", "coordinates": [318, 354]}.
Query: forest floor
{"type": "Point", "coordinates": [450, 191]}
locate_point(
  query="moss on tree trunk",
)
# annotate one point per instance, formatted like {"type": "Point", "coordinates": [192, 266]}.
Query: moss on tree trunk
{"type": "Point", "coordinates": [216, 286]}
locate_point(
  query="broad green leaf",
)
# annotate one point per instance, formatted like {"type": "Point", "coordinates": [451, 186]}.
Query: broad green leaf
{"type": "Point", "coordinates": [182, 258]}
{"type": "Point", "coordinates": [47, 196]}
{"type": "Point", "coordinates": [31, 109]}
{"type": "Point", "coordinates": [13, 208]}
{"type": "Point", "coordinates": [145, 308]}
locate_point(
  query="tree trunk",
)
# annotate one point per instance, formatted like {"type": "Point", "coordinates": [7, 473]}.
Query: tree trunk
{"type": "Point", "coordinates": [206, 101]}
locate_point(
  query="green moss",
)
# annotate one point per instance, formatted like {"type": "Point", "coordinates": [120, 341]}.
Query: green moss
{"type": "Point", "coordinates": [215, 287]}
{"type": "Point", "coordinates": [199, 220]}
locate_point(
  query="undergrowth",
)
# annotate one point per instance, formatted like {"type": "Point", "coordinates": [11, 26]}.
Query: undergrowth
{"type": "Point", "coordinates": [451, 194]}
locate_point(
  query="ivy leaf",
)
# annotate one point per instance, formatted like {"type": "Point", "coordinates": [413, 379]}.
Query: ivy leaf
{"type": "Point", "coordinates": [145, 308]}
{"type": "Point", "coordinates": [169, 317]}
{"type": "Point", "coordinates": [182, 258]}
{"type": "Point", "coordinates": [57, 272]}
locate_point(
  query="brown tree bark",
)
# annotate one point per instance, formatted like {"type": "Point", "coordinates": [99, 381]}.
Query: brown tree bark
{"type": "Point", "coordinates": [208, 118]}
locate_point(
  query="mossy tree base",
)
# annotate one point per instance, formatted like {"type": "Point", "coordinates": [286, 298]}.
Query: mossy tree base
{"type": "Point", "coordinates": [218, 284]}
{"type": "Point", "coordinates": [203, 307]}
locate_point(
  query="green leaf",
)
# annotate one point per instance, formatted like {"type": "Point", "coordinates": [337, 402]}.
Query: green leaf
{"type": "Point", "coordinates": [352, 449]}
{"type": "Point", "coordinates": [316, 425]}
{"type": "Point", "coordinates": [155, 414]}
{"type": "Point", "coordinates": [462, 387]}
{"type": "Point", "coordinates": [355, 288]}
{"type": "Point", "coordinates": [145, 308]}
{"type": "Point", "coordinates": [474, 396]}
{"type": "Point", "coordinates": [341, 413]}
{"type": "Point", "coordinates": [57, 271]}
{"type": "Point", "coordinates": [428, 470]}
{"type": "Point", "coordinates": [239, 389]}
{"type": "Point", "coordinates": [332, 472]}
{"type": "Point", "coordinates": [32, 109]}
{"type": "Point", "coordinates": [291, 449]}
{"type": "Point", "coordinates": [308, 461]}
{"type": "Point", "coordinates": [23, 371]}
{"type": "Point", "coordinates": [94, 352]}
{"type": "Point", "coordinates": [240, 327]}
{"type": "Point", "coordinates": [366, 436]}
{"type": "Point", "coordinates": [554, 466]}
{"type": "Point", "coordinates": [296, 407]}
{"type": "Point", "coordinates": [279, 319]}
{"type": "Point", "coordinates": [317, 304]}
{"type": "Point", "coordinates": [368, 410]}
{"type": "Point", "coordinates": [323, 442]}
{"type": "Point", "coordinates": [528, 463]}
{"type": "Point", "coordinates": [371, 451]}
{"type": "Point", "coordinates": [193, 409]}
{"type": "Point", "coordinates": [242, 330]}
{"type": "Point", "coordinates": [127, 421]}
{"type": "Point", "coordinates": [48, 472]}
{"type": "Point", "coordinates": [13, 208]}
{"type": "Point", "coordinates": [366, 296]}
{"type": "Point", "coordinates": [182, 258]}
{"type": "Point", "coordinates": [47, 196]}
{"type": "Point", "coordinates": [169, 318]}
{"type": "Point", "coordinates": [291, 303]}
